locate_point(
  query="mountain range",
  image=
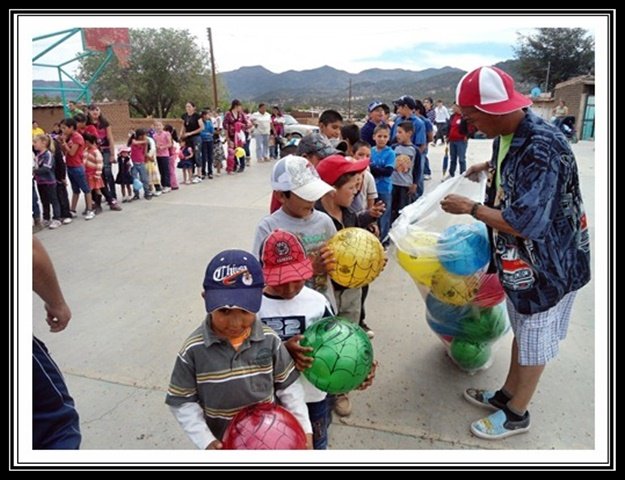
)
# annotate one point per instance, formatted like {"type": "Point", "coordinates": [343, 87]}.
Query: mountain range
{"type": "Point", "coordinates": [326, 86]}
{"type": "Point", "coordinates": [329, 87]}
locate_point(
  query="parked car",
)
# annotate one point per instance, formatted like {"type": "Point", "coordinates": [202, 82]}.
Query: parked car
{"type": "Point", "coordinates": [296, 129]}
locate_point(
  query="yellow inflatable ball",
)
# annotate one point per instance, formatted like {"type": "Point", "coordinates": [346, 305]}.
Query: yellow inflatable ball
{"type": "Point", "coordinates": [454, 289]}
{"type": "Point", "coordinates": [359, 257]}
{"type": "Point", "coordinates": [417, 254]}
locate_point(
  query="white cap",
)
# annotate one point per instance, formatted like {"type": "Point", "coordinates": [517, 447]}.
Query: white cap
{"type": "Point", "coordinates": [296, 174]}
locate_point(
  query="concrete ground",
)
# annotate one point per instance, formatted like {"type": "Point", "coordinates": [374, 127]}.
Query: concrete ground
{"type": "Point", "coordinates": [133, 281]}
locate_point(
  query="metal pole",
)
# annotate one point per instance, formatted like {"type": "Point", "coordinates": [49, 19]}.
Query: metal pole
{"type": "Point", "coordinates": [349, 101]}
{"type": "Point", "coordinates": [214, 73]}
{"type": "Point", "coordinates": [547, 79]}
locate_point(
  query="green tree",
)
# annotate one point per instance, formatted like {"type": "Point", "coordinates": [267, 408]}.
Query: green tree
{"type": "Point", "coordinates": [42, 99]}
{"type": "Point", "coordinates": [567, 52]}
{"type": "Point", "coordinates": [166, 70]}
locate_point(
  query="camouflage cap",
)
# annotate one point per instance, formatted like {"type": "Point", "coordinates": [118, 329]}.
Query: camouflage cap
{"type": "Point", "coordinates": [315, 144]}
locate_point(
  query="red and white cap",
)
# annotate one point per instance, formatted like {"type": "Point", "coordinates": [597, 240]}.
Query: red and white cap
{"type": "Point", "coordinates": [490, 90]}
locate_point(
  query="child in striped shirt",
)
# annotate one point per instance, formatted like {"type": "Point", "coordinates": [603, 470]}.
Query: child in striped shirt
{"type": "Point", "coordinates": [232, 361]}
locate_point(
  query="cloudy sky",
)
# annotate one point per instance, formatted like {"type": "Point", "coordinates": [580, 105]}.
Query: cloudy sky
{"type": "Point", "coordinates": [351, 43]}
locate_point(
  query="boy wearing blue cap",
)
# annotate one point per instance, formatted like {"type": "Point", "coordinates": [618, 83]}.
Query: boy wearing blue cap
{"type": "Point", "coordinates": [231, 361]}
{"type": "Point", "coordinates": [375, 112]}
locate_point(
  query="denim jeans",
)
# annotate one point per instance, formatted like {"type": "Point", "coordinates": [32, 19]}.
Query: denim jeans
{"type": "Point", "coordinates": [139, 171]}
{"type": "Point", "coordinates": [385, 219]}
{"type": "Point", "coordinates": [207, 158]}
{"type": "Point", "coordinates": [426, 166]}
{"type": "Point", "coordinates": [320, 418]}
{"type": "Point", "coordinates": [78, 180]}
{"type": "Point", "coordinates": [458, 152]}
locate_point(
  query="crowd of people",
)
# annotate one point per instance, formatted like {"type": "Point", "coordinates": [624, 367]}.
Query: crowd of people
{"type": "Point", "coordinates": [337, 178]}
{"type": "Point", "coordinates": [80, 152]}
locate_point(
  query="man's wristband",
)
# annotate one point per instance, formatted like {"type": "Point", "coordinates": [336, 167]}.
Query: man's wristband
{"type": "Point", "coordinates": [474, 208]}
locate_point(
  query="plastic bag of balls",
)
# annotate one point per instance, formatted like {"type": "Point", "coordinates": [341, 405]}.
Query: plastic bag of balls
{"type": "Point", "coordinates": [447, 257]}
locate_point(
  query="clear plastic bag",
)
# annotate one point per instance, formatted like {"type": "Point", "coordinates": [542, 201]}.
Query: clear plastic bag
{"type": "Point", "coordinates": [447, 257]}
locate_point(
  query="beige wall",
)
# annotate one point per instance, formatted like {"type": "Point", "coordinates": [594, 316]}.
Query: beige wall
{"type": "Point", "coordinates": [117, 113]}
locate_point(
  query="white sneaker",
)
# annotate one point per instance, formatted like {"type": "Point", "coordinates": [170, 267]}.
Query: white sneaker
{"type": "Point", "coordinates": [196, 180]}
{"type": "Point", "coordinates": [166, 189]}
{"type": "Point", "coordinates": [89, 215]}
{"type": "Point", "coordinates": [67, 221]}
{"type": "Point", "coordinates": [157, 193]}
{"type": "Point", "coordinates": [54, 224]}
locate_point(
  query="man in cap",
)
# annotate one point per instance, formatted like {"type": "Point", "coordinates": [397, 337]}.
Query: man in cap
{"type": "Point", "coordinates": [539, 236]}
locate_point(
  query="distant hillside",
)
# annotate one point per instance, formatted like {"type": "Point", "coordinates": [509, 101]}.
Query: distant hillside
{"type": "Point", "coordinates": [326, 86]}
{"type": "Point", "coordinates": [52, 93]}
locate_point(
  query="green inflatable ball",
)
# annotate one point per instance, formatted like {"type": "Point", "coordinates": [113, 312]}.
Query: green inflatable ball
{"type": "Point", "coordinates": [469, 355]}
{"type": "Point", "coordinates": [485, 324]}
{"type": "Point", "coordinates": [342, 355]}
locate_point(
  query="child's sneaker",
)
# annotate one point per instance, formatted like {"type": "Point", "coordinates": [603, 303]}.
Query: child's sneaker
{"type": "Point", "coordinates": [89, 215]}
{"type": "Point", "coordinates": [483, 398]}
{"type": "Point", "coordinates": [497, 426]}
{"type": "Point", "coordinates": [370, 333]}
{"type": "Point", "coordinates": [342, 405]}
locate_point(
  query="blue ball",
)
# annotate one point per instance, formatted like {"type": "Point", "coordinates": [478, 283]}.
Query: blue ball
{"type": "Point", "coordinates": [137, 185]}
{"type": "Point", "coordinates": [444, 318]}
{"type": "Point", "coordinates": [464, 249]}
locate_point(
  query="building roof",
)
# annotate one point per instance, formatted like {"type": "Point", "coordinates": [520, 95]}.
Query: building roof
{"type": "Point", "coordinates": [584, 79]}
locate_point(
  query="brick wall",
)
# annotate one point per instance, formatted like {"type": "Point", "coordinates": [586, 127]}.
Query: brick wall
{"type": "Point", "coordinates": [572, 96]}
{"type": "Point", "coordinates": [117, 113]}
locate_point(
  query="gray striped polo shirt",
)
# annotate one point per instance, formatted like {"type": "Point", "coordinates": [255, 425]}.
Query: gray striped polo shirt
{"type": "Point", "coordinates": [223, 381]}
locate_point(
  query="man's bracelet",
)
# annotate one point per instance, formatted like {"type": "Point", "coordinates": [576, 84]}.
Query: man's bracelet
{"type": "Point", "coordinates": [476, 205]}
